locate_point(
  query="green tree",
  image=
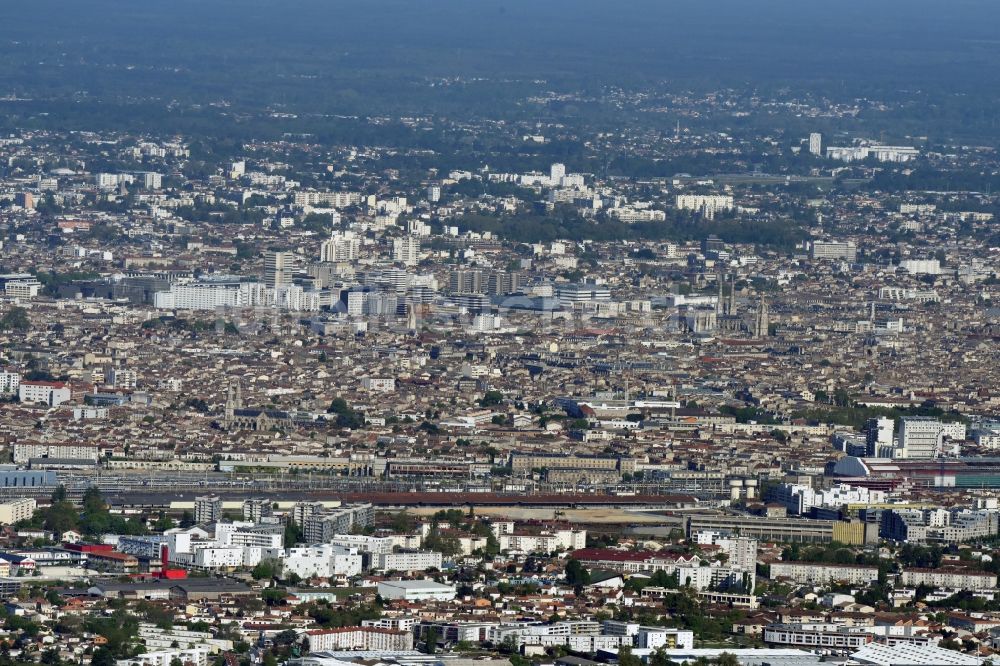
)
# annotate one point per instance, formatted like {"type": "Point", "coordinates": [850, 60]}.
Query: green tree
{"type": "Point", "coordinates": [286, 637]}
{"type": "Point", "coordinates": [51, 657]}
{"type": "Point", "coordinates": [492, 545]}
{"type": "Point", "coordinates": [60, 517]}
{"type": "Point", "coordinates": [265, 569]}
{"type": "Point", "coordinates": [120, 628]}
{"type": "Point", "coordinates": [338, 406]}
{"type": "Point", "coordinates": [93, 501]}
{"type": "Point", "coordinates": [102, 657]}
{"type": "Point", "coordinates": [576, 574]}
{"type": "Point", "coordinates": [491, 399]}
{"type": "Point", "coordinates": [402, 522]}
{"type": "Point", "coordinates": [164, 522]}
{"type": "Point", "coordinates": [727, 659]}
{"type": "Point", "coordinates": [660, 658]}
{"type": "Point", "coordinates": [346, 417]}
{"type": "Point", "coordinates": [274, 596]}
{"type": "Point", "coordinates": [508, 645]}
{"type": "Point", "coordinates": [431, 640]}
{"type": "Point", "coordinates": [447, 546]}
{"type": "Point", "coordinates": [626, 658]}
{"type": "Point", "coordinates": [293, 533]}
{"type": "Point", "coordinates": [15, 319]}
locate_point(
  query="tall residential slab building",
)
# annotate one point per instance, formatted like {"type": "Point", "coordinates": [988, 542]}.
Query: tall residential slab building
{"type": "Point", "coordinates": [277, 269]}
{"type": "Point", "coordinates": [406, 250]}
{"type": "Point", "coordinates": [815, 143]}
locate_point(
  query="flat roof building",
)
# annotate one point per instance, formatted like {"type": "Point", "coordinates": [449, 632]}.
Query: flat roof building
{"type": "Point", "coordinates": [415, 590]}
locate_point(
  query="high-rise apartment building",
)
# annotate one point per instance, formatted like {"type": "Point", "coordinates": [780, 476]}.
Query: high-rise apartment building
{"type": "Point", "coordinates": [340, 247]}
{"type": "Point", "coordinates": [466, 281]}
{"type": "Point", "coordinates": [406, 250]}
{"type": "Point", "coordinates": [121, 378]}
{"type": "Point", "coordinates": [152, 180]}
{"type": "Point", "coordinates": [503, 282]}
{"type": "Point", "coordinates": [478, 281]}
{"type": "Point", "coordinates": [320, 525]}
{"type": "Point", "coordinates": [255, 509]}
{"type": "Point", "coordinates": [277, 269]}
{"type": "Point", "coordinates": [706, 204]}
{"type": "Point", "coordinates": [25, 200]}
{"type": "Point", "coordinates": [815, 143]}
{"type": "Point", "coordinates": [878, 436]}
{"type": "Point", "coordinates": [207, 509]}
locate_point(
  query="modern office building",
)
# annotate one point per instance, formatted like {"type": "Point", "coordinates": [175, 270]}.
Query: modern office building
{"type": "Point", "coordinates": [581, 292]}
{"type": "Point", "coordinates": [920, 437]}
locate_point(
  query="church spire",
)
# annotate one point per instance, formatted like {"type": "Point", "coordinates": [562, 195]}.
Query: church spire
{"type": "Point", "coordinates": [720, 301]}
{"type": "Point", "coordinates": [762, 323]}
{"type": "Point", "coordinates": [732, 294]}
{"type": "Point", "coordinates": [230, 405]}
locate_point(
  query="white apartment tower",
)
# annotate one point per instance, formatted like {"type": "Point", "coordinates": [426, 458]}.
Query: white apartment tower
{"type": "Point", "coordinates": [9, 382]}
{"type": "Point", "coordinates": [406, 250]}
{"type": "Point", "coordinates": [340, 247]}
{"type": "Point", "coordinates": [207, 509]}
{"type": "Point", "coordinates": [121, 378]}
{"type": "Point", "coordinates": [277, 269]}
{"type": "Point", "coordinates": [878, 436]}
{"type": "Point", "coordinates": [815, 143]}
{"type": "Point", "coordinates": [152, 180]}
